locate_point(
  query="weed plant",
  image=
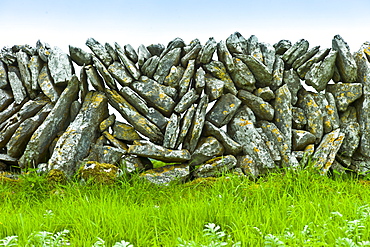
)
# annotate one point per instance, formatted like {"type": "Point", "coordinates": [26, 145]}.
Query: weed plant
{"type": "Point", "coordinates": [286, 208]}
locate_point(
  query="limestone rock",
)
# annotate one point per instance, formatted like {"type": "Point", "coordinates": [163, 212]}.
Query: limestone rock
{"type": "Point", "coordinates": [295, 51]}
{"type": "Point", "coordinates": [206, 53]}
{"type": "Point", "coordinates": [231, 146]}
{"type": "Point", "coordinates": [143, 54]}
{"type": "Point", "coordinates": [264, 93]}
{"type": "Point", "coordinates": [282, 46]}
{"type": "Point", "coordinates": [185, 81]}
{"type": "Point", "coordinates": [185, 125]}
{"type": "Point", "coordinates": [120, 73]}
{"type": "Point", "coordinates": [129, 51]}
{"type": "Point", "coordinates": [96, 172]}
{"type": "Point", "coordinates": [271, 146]}
{"type": "Point", "coordinates": [261, 108]}
{"type": "Point", "coordinates": [200, 82]}
{"type": "Point", "coordinates": [225, 57]}
{"type": "Point", "coordinates": [106, 123]}
{"type": "Point", "coordinates": [250, 167]}
{"type": "Point", "coordinates": [19, 91]}
{"type": "Point", "coordinates": [331, 119]}
{"type": "Point", "coordinates": [207, 148]}
{"type": "Point", "coordinates": [157, 118]}
{"type": "Point", "coordinates": [60, 66]}
{"type": "Point", "coordinates": [3, 76]}
{"type": "Point", "coordinates": [132, 163]}
{"type": "Point", "coordinates": [106, 154]}
{"type": "Point", "coordinates": [305, 57]}
{"type": "Point", "coordinates": [215, 167]}
{"type": "Point", "coordinates": [100, 51]}
{"type": "Point", "coordinates": [6, 97]}
{"type": "Point", "coordinates": [306, 66]}
{"type": "Point", "coordinates": [94, 78]}
{"type": "Point", "coordinates": [166, 62]}
{"type": "Point", "coordinates": [41, 139]}
{"type": "Point", "coordinates": [112, 52]}
{"type": "Point", "coordinates": [150, 66]}
{"type": "Point", "coordinates": [283, 113]}
{"type": "Point", "coordinates": [150, 150]}
{"type": "Point", "coordinates": [298, 118]}
{"type": "Point", "coordinates": [351, 140]}
{"type": "Point", "coordinates": [191, 55]}
{"type": "Point", "coordinates": [125, 132]}
{"type": "Point", "coordinates": [277, 73]}
{"type": "Point", "coordinates": [293, 82]}
{"type": "Point", "coordinates": [79, 56]}
{"type": "Point", "coordinates": [114, 142]}
{"type": "Point", "coordinates": [43, 50]}
{"type": "Point", "coordinates": [362, 58]}
{"type": "Point", "coordinates": [301, 139]}
{"type": "Point", "coordinates": [47, 85]}
{"type": "Point", "coordinates": [223, 110]}
{"type": "Point", "coordinates": [268, 54]}
{"type": "Point", "coordinates": [186, 101]}
{"type": "Point", "coordinates": [259, 70]}
{"type": "Point", "coordinates": [84, 86]}
{"type": "Point", "coordinates": [242, 76]}
{"type": "Point", "coordinates": [155, 49]}
{"type": "Point", "coordinates": [172, 132]}
{"type": "Point", "coordinates": [173, 44]}
{"type": "Point", "coordinates": [9, 110]}
{"type": "Point", "coordinates": [130, 65]}
{"type": "Point", "coordinates": [174, 76]}
{"type": "Point", "coordinates": [134, 99]}
{"type": "Point", "coordinates": [237, 44]}
{"type": "Point", "coordinates": [167, 174]}
{"type": "Point", "coordinates": [345, 93]}
{"type": "Point", "coordinates": [214, 87]}
{"type": "Point", "coordinates": [23, 61]}
{"type": "Point", "coordinates": [218, 70]}
{"type": "Point", "coordinates": [35, 66]}
{"type": "Point", "coordinates": [254, 48]}
{"type": "Point", "coordinates": [345, 62]}
{"type": "Point", "coordinates": [246, 113]}
{"type": "Point", "coordinates": [108, 79]}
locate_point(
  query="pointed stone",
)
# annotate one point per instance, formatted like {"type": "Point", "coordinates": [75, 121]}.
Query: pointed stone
{"type": "Point", "coordinates": [174, 76]}
{"type": "Point", "coordinates": [214, 87]}
{"type": "Point", "coordinates": [173, 44]}
{"type": "Point", "coordinates": [130, 52]}
{"type": "Point", "coordinates": [3, 76]}
{"type": "Point", "coordinates": [362, 58]}
{"type": "Point", "coordinates": [106, 123]}
{"type": "Point", "coordinates": [130, 65]}
{"type": "Point", "coordinates": [191, 55]}
{"type": "Point", "coordinates": [47, 85]}
{"type": "Point", "coordinates": [246, 113]}
{"type": "Point", "coordinates": [218, 70]}
{"type": "Point", "coordinates": [6, 97]}
{"type": "Point", "coordinates": [200, 82]}
{"type": "Point", "coordinates": [283, 113]}
{"type": "Point", "coordinates": [43, 50]}
{"type": "Point", "coordinates": [157, 118]}
{"type": "Point", "coordinates": [143, 55]}
{"type": "Point", "coordinates": [261, 108]}
{"type": "Point", "coordinates": [237, 44]}
{"type": "Point", "coordinates": [293, 82]}
{"type": "Point", "coordinates": [35, 66]}
{"type": "Point", "coordinates": [215, 167]}
{"type": "Point", "coordinates": [59, 66]}
{"type": "Point", "coordinates": [186, 101]}
{"type": "Point", "coordinates": [79, 56]}
{"type": "Point", "coordinates": [108, 79]}
{"type": "Point", "coordinates": [19, 91]}
{"type": "Point", "coordinates": [268, 54]}
{"type": "Point", "coordinates": [345, 93]}
{"type": "Point", "coordinates": [186, 79]}
{"type": "Point", "coordinates": [185, 124]}
{"type": "Point", "coordinates": [305, 57]}
{"type": "Point", "coordinates": [155, 49]}
{"type": "Point", "coordinates": [100, 51]}
{"type": "Point", "coordinates": [259, 70]}
{"type": "Point", "coordinates": [298, 118]}
{"type": "Point", "coordinates": [23, 61]}
{"type": "Point", "coordinates": [242, 76]}
{"type": "Point", "coordinates": [225, 57]}
{"type": "Point", "coordinates": [207, 148]}
{"type": "Point", "coordinates": [94, 78]}
{"type": "Point", "coordinates": [306, 66]}
{"type": "Point", "coordinates": [172, 132]}
{"type": "Point", "coordinates": [254, 48]}
{"type": "Point", "coordinates": [84, 86]}
{"type": "Point", "coordinates": [277, 73]}
{"type": "Point", "coordinates": [301, 139]}
{"type": "Point", "coordinates": [125, 132]}
{"type": "Point", "coordinates": [111, 51]}
{"type": "Point", "coordinates": [38, 145]}
{"type": "Point", "coordinates": [345, 62]}
{"type": "Point", "coordinates": [207, 51]}
{"type": "Point", "coordinates": [223, 110]}
{"type": "Point", "coordinates": [150, 66]}
{"type": "Point", "coordinates": [120, 73]}
{"type": "Point", "coordinates": [172, 58]}
{"type": "Point", "coordinates": [295, 51]}
{"type": "Point", "coordinates": [282, 46]}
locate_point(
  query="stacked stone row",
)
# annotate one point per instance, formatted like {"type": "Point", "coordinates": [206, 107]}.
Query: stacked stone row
{"type": "Point", "coordinates": [237, 104]}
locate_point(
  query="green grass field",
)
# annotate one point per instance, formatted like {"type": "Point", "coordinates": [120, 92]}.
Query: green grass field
{"type": "Point", "coordinates": [291, 208]}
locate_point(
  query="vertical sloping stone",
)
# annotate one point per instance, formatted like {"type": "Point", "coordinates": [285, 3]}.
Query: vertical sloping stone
{"type": "Point", "coordinates": [277, 73]}
{"type": "Point", "coordinates": [125, 132]}
{"type": "Point", "coordinates": [3, 75]}
{"type": "Point", "coordinates": [200, 82]}
{"type": "Point", "coordinates": [129, 51]}
{"type": "Point", "coordinates": [185, 125]}
{"type": "Point", "coordinates": [261, 108]}
{"type": "Point", "coordinates": [268, 53]}
{"type": "Point", "coordinates": [223, 110]}
{"type": "Point", "coordinates": [259, 70]}
{"type": "Point", "coordinates": [282, 46]}
{"type": "Point", "coordinates": [185, 81]}
{"type": "Point", "coordinates": [120, 73]}
{"type": "Point", "coordinates": [306, 66]}
{"type": "Point", "coordinates": [293, 82]}
{"type": "Point", "coordinates": [242, 76]}
{"type": "Point", "coordinates": [19, 91]}
{"type": "Point", "coordinates": [225, 57]}
{"type": "Point", "coordinates": [237, 44]}
{"type": "Point", "coordinates": [79, 56]}
{"type": "Point", "coordinates": [143, 54]}
{"type": "Point", "coordinates": [295, 51]}
{"type": "Point", "coordinates": [206, 53]}
{"type": "Point", "coordinates": [218, 70]}
{"type": "Point", "coordinates": [94, 78]}
{"type": "Point", "coordinates": [254, 48]}
{"type": "Point", "coordinates": [299, 118]}
{"type": "Point", "coordinates": [283, 113]}
{"type": "Point", "coordinates": [23, 61]}
{"type": "Point", "coordinates": [47, 85]}
{"type": "Point", "coordinates": [60, 66]}
{"type": "Point", "coordinates": [104, 73]}
{"type": "Point", "coordinates": [214, 87]}
{"type": "Point", "coordinates": [186, 101]}
{"type": "Point", "coordinates": [172, 58]}
{"type": "Point", "coordinates": [172, 132]}
{"type": "Point", "coordinates": [100, 51]}
{"type": "Point", "coordinates": [155, 49]}
{"type": "Point", "coordinates": [191, 55]}
{"type": "Point", "coordinates": [345, 62]}
{"type": "Point", "coordinates": [130, 65]}
{"type": "Point", "coordinates": [174, 76]}
{"type": "Point", "coordinates": [35, 65]}
{"type": "Point", "coordinates": [305, 57]}
{"type": "Point", "coordinates": [150, 66]}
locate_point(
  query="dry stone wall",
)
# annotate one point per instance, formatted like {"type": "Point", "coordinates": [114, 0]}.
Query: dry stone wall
{"type": "Point", "coordinates": [238, 105]}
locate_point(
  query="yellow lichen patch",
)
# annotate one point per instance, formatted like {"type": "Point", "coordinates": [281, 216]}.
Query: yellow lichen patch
{"type": "Point", "coordinates": [244, 122]}
{"type": "Point", "coordinates": [225, 112]}
{"type": "Point", "coordinates": [162, 95]}
{"type": "Point", "coordinates": [56, 176]}
{"type": "Point", "coordinates": [232, 105]}
{"type": "Point", "coordinates": [256, 149]}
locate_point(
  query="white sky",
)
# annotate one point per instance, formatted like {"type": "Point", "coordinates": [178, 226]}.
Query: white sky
{"type": "Point", "coordinates": [64, 22]}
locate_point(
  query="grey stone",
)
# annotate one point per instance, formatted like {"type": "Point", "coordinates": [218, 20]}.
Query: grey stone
{"type": "Point", "coordinates": [143, 55]}
{"type": "Point", "coordinates": [108, 79]}
{"type": "Point", "coordinates": [125, 132]}
{"type": "Point", "coordinates": [191, 55]}
{"type": "Point", "coordinates": [106, 123]}
{"type": "Point", "coordinates": [185, 125]}
{"type": "Point", "coordinates": [200, 81]}
{"type": "Point", "coordinates": [172, 58]}
{"type": "Point", "coordinates": [332, 122]}
{"type": "Point", "coordinates": [157, 118]}
{"type": "Point", "coordinates": [225, 57]}
{"type": "Point", "coordinates": [254, 48]}
{"type": "Point", "coordinates": [271, 146]}
{"type": "Point", "coordinates": [60, 66]}
{"type": "Point", "coordinates": [114, 142]}
{"type": "Point", "coordinates": [322, 72]}
{"type": "Point", "coordinates": [100, 51]}
{"type": "Point", "coordinates": [167, 174]}
{"type": "Point", "coordinates": [268, 54]}
{"type": "Point", "coordinates": [237, 44]}
{"type": "Point", "coordinates": [172, 132]}
{"type": "Point", "coordinates": [250, 167]}
{"type": "Point", "coordinates": [246, 113]}
{"type": "Point", "coordinates": [242, 76]}
{"type": "Point", "coordinates": [111, 51]}
{"type": "Point", "coordinates": [231, 146]}
{"type": "Point", "coordinates": [106, 154]}
{"type": "Point", "coordinates": [282, 46]}
{"type": "Point", "coordinates": [305, 57]}
{"type": "Point", "coordinates": [9, 110]}
{"type": "Point", "coordinates": [283, 113]}
{"type": "Point", "coordinates": [130, 52]}
{"type": "Point", "coordinates": [277, 73]}
{"type": "Point", "coordinates": [47, 85]}
{"type": "Point", "coordinates": [174, 76]}
{"type": "Point", "coordinates": [207, 148]}
{"type": "Point", "coordinates": [35, 66]}
{"type": "Point", "coordinates": [3, 76]}
{"type": "Point", "coordinates": [259, 70]}
{"type": "Point", "coordinates": [265, 93]}
{"type": "Point", "coordinates": [336, 75]}
{"type": "Point", "coordinates": [306, 66]}
{"type": "Point", "coordinates": [79, 56]}
{"type": "Point", "coordinates": [170, 91]}
{"type": "Point", "coordinates": [43, 50]}
{"type": "Point", "coordinates": [215, 167]}
{"type": "Point", "coordinates": [298, 118]}
{"type": "Point", "coordinates": [130, 65]}
{"type": "Point", "coordinates": [140, 123]}
{"type": "Point", "coordinates": [94, 78]}
{"type": "Point", "coordinates": [132, 163]}
{"type": "Point", "coordinates": [173, 44]}
{"type": "Point", "coordinates": [223, 110]}
{"type": "Point", "coordinates": [218, 70]}
{"type": "Point", "coordinates": [345, 62]}
{"type": "Point", "coordinates": [293, 82]}
{"type": "Point", "coordinates": [135, 100]}
{"type": "Point", "coordinates": [325, 154]}
{"type": "Point", "coordinates": [6, 97]}
{"type": "Point", "coordinates": [186, 101]}
{"type": "Point", "coordinates": [351, 140]}
{"type": "Point", "coordinates": [185, 81]}
{"type": "Point", "coordinates": [6, 158]}
{"type": "Point", "coordinates": [345, 93]}
{"type": "Point", "coordinates": [261, 108]}
{"type": "Point", "coordinates": [84, 85]}
{"type": "Point", "coordinates": [150, 150]}
{"type": "Point", "coordinates": [23, 61]}
{"type": "Point", "coordinates": [74, 110]}
{"type": "Point", "coordinates": [19, 91]}
{"type": "Point", "coordinates": [362, 58]}
{"type": "Point", "coordinates": [155, 49]}
{"type": "Point", "coordinates": [120, 73]}
{"type": "Point", "coordinates": [349, 116]}
{"type": "Point", "coordinates": [37, 147]}
{"type": "Point", "coordinates": [196, 128]}
{"type": "Point", "coordinates": [207, 51]}
{"type": "Point", "coordinates": [150, 66]}
{"type": "Point", "coordinates": [295, 51]}
{"type": "Point", "coordinates": [214, 87]}
{"type": "Point", "coordinates": [301, 139]}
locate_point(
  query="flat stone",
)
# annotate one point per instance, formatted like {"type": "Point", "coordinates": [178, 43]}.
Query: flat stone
{"type": "Point", "coordinates": [301, 139]}
{"type": "Point", "coordinates": [139, 122]}
{"type": "Point", "coordinates": [60, 66]}
{"type": "Point", "coordinates": [306, 66]}
{"type": "Point", "coordinates": [264, 93]}
{"type": "Point", "coordinates": [215, 167]}
{"type": "Point", "coordinates": [125, 132]}
{"type": "Point", "coordinates": [35, 66]}
{"type": "Point", "coordinates": [225, 57]}
{"type": "Point", "coordinates": [282, 46]}
{"type": "Point", "coordinates": [277, 73]}
{"type": "Point", "coordinates": [186, 79]}
{"type": "Point", "coordinates": [134, 164]}
{"type": "Point", "coordinates": [200, 81]}
{"type": "Point", "coordinates": [295, 51]}
{"type": "Point", "coordinates": [107, 77]}
{"type": "Point", "coordinates": [157, 118]}
{"type": "Point", "coordinates": [242, 76]}
{"type": "Point", "coordinates": [150, 66]}
{"type": "Point", "coordinates": [305, 57]}
{"type": "Point", "coordinates": [259, 70]}
{"type": "Point", "coordinates": [106, 154]}
{"type": "Point", "coordinates": [325, 154]}
{"type": "Point", "coordinates": [156, 49]}
{"type": "Point", "coordinates": [218, 70]}
{"type": "Point", "coordinates": [150, 150]}
{"type": "Point", "coordinates": [9, 110]}
{"type": "Point", "coordinates": [3, 75]}
{"type": "Point", "coordinates": [231, 146]}
{"type": "Point", "coordinates": [106, 123]}
{"type": "Point", "coordinates": [351, 140]}
{"type": "Point", "coordinates": [172, 132]}
{"type": "Point", "coordinates": [298, 118]}
{"type": "Point", "coordinates": [134, 99]}
{"type": "Point", "coordinates": [74, 144]}
{"type": "Point", "coordinates": [322, 72]}
{"type": "Point", "coordinates": [223, 110]}
{"type": "Point", "coordinates": [130, 65]}
{"type": "Point", "coordinates": [119, 72]}
{"type": "Point", "coordinates": [6, 158]}
{"type": "Point", "coordinates": [79, 56]}
{"type": "Point", "coordinates": [6, 97]}
{"type": "Point", "coordinates": [268, 54]}
{"type": "Point", "coordinates": [237, 44]}
{"type": "Point", "coordinates": [174, 76]}
{"type": "Point", "coordinates": [283, 113]}
{"type": "Point", "coordinates": [261, 108]}
{"type": "Point", "coordinates": [23, 61]}
{"type": "Point", "coordinates": [207, 148]}
{"type": "Point", "coordinates": [191, 55]}
{"type": "Point", "coordinates": [214, 87]}
{"type": "Point", "coordinates": [130, 52]}
{"type": "Point", "coordinates": [19, 91]}
{"type": "Point", "coordinates": [167, 174]}
{"type": "Point", "coordinates": [345, 62]}
{"type": "Point", "coordinates": [186, 101]}
{"type": "Point", "coordinates": [172, 58]}
{"type": "Point", "coordinates": [345, 93]}
{"type": "Point", "coordinates": [246, 113]}
{"type": "Point", "coordinates": [185, 123]}
{"type": "Point", "coordinates": [100, 51]}
{"type": "Point", "coordinates": [114, 142]}
{"type": "Point", "coordinates": [94, 78]}
{"type": "Point", "coordinates": [37, 147]}
{"type": "Point", "coordinates": [196, 128]}
{"type": "Point", "coordinates": [293, 82]}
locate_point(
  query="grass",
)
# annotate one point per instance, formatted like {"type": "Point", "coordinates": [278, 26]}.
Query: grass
{"type": "Point", "coordinates": [291, 208]}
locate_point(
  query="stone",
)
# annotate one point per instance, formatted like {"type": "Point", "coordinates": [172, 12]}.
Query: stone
{"type": "Point", "coordinates": [106, 123]}
{"type": "Point", "coordinates": [322, 72]}
{"type": "Point", "coordinates": [150, 66]}
{"type": "Point", "coordinates": [186, 101]}
{"type": "Point", "coordinates": [75, 108]}
{"type": "Point", "coordinates": [351, 140]}
{"type": "Point", "coordinates": [345, 62]}
{"type": "Point", "coordinates": [134, 99]}
{"type": "Point", "coordinates": [253, 48]}
{"type": "Point", "coordinates": [215, 167]}
{"type": "Point", "coordinates": [114, 142]}
{"type": "Point", "coordinates": [306, 66]}
{"type": "Point", "coordinates": [133, 164]}
{"type": "Point", "coordinates": [37, 147]}
{"type": "Point", "coordinates": [301, 139]}
{"type": "Point", "coordinates": [9, 110]}
{"type": "Point", "coordinates": [19, 91]}
{"type": "Point", "coordinates": [242, 76]}
{"type": "Point", "coordinates": [18, 142]}
{"type": "Point", "coordinates": [130, 65]}
{"type": "Point", "coordinates": [173, 44]}
{"type": "Point", "coordinates": [325, 154]}
{"type": "Point", "coordinates": [155, 96]}
{"type": "Point", "coordinates": [167, 174]}
{"type": "Point", "coordinates": [129, 51]}
{"type": "Point", "coordinates": [174, 76]}
{"type": "Point", "coordinates": [43, 50]}
{"type": "Point", "coordinates": [331, 118]}
{"type": "Point", "coordinates": [258, 69]}
{"type": "Point", "coordinates": [214, 87]}
{"type": "Point", "coordinates": [139, 122]}
{"type": "Point", "coordinates": [196, 127]}
{"type": "Point", "coordinates": [250, 167]}
{"type": "Point", "coordinates": [283, 113]}
{"type": "Point", "coordinates": [172, 58]}
{"type": "Point", "coordinates": [107, 77]}
{"type": "Point", "coordinates": [225, 57]}
{"type": "Point", "coordinates": [271, 146]}
{"type": "Point", "coordinates": [35, 66]}
{"type": "Point", "coordinates": [191, 55]}
{"type": "Point", "coordinates": [218, 70]}
{"type": "Point", "coordinates": [282, 46]}
{"type": "Point", "coordinates": [298, 118]}
{"type": "Point", "coordinates": [143, 55]}
{"type": "Point", "coordinates": [150, 150]}
{"type": "Point", "coordinates": [231, 146]}
{"type": "Point", "coordinates": [246, 113]}
{"type": "Point", "coordinates": [6, 98]}
{"type": "Point", "coordinates": [293, 82]}
{"type": "Point", "coordinates": [60, 66]}
{"type": "Point", "coordinates": [74, 144]}
{"type": "Point", "coordinates": [172, 132]}
{"type": "Point", "coordinates": [94, 78]}
{"type": "Point", "coordinates": [3, 76]}
{"type": "Point", "coordinates": [185, 81]}
{"type": "Point", "coordinates": [305, 57]}
{"type": "Point", "coordinates": [223, 110]}
{"type": "Point", "coordinates": [237, 44]}
{"type": "Point", "coordinates": [277, 73]}
{"type": "Point", "coordinates": [295, 51]}
{"type": "Point", "coordinates": [119, 72]}
{"type": "Point", "coordinates": [79, 56]}
{"type": "Point", "coordinates": [125, 132]}
{"type": "Point", "coordinates": [7, 159]}
{"type": "Point", "coordinates": [264, 93]}
{"type": "Point", "coordinates": [207, 51]}
{"type": "Point", "coordinates": [106, 154]}
{"type": "Point", "coordinates": [261, 108]}
{"type": "Point", "coordinates": [207, 148]}
{"type": "Point", "coordinates": [349, 116]}
{"type": "Point", "coordinates": [185, 124]}
{"type": "Point", "coordinates": [362, 59]}
{"type": "Point", "coordinates": [101, 173]}
{"type": "Point", "coordinates": [47, 85]}
{"type": "Point", "coordinates": [303, 156]}
{"type": "Point", "coordinates": [268, 54]}
{"type": "Point", "coordinates": [155, 49]}
{"type": "Point", "coordinates": [157, 118]}
{"type": "Point", "coordinates": [100, 51]}
{"type": "Point", "coordinates": [345, 93]}
{"type": "Point", "coordinates": [200, 81]}
{"type": "Point", "coordinates": [23, 61]}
